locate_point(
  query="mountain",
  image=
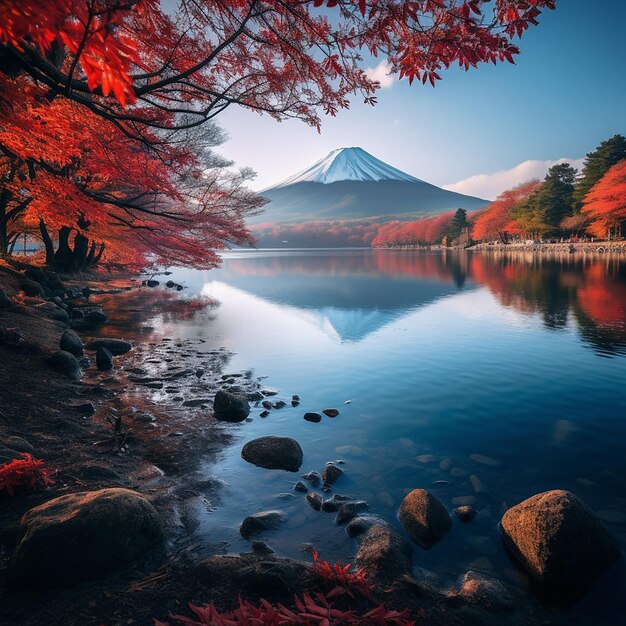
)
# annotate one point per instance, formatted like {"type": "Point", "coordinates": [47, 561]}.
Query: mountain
{"type": "Point", "coordinates": [349, 184]}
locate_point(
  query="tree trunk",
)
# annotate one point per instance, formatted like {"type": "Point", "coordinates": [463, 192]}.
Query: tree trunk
{"type": "Point", "coordinates": [81, 247]}
{"type": "Point", "coordinates": [64, 257]}
{"type": "Point", "coordinates": [99, 255]}
{"type": "Point", "coordinates": [47, 242]}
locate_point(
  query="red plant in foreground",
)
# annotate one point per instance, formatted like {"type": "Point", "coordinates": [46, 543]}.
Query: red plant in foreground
{"type": "Point", "coordinates": [345, 580]}
{"type": "Point", "coordinates": [308, 612]}
{"type": "Point", "coordinates": [23, 474]}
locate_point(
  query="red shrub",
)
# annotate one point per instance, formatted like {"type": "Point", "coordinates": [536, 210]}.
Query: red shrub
{"type": "Point", "coordinates": [23, 474]}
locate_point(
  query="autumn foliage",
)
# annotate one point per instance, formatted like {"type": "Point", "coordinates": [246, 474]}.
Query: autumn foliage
{"type": "Point", "coordinates": [605, 204]}
{"type": "Point", "coordinates": [107, 107]}
{"type": "Point", "coordinates": [424, 231]}
{"type": "Point", "coordinates": [25, 474]}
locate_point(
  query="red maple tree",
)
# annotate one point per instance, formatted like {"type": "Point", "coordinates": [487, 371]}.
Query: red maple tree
{"type": "Point", "coordinates": [605, 204]}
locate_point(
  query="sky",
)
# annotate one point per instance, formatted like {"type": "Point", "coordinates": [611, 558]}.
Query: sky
{"type": "Point", "coordinates": [476, 132]}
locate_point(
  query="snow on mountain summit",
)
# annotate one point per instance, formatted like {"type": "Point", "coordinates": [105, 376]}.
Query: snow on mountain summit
{"type": "Point", "coordinates": [348, 164]}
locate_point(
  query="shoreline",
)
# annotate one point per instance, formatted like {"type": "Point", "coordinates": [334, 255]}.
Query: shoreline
{"type": "Point", "coordinates": [160, 463]}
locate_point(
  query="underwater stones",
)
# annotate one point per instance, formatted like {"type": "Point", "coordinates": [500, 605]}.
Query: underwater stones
{"type": "Point", "coordinates": [485, 460]}
{"type": "Point", "coordinates": [559, 541]}
{"type": "Point", "coordinates": [350, 510]}
{"type": "Point", "coordinates": [313, 478]}
{"type": "Point", "coordinates": [383, 553]}
{"type": "Point", "coordinates": [228, 407]}
{"type": "Point", "coordinates": [424, 517]}
{"type": "Point", "coordinates": [273, 452]}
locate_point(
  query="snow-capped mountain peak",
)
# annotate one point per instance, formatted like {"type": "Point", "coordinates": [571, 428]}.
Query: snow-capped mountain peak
{"type": "Point", "coordinates": [348, 164]}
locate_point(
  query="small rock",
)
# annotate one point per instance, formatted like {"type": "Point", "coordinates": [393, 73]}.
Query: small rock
{"type": "Point", "coordinates": [488, 592]}
{"type": "Point", "coordinates": [464, 500]}
{"type": "Point", "coordinates": [313, 417]}
{"type": "Point", "coordinates": [330, 412]}
{"type": "Point", "coordinates": [314, 500]}
{"type": "Point", "coordinates": [96, 318]}
{"type": "Point", "coordinates": [228, 407]}
{"type": "Point", "coordinates": [66, 363]}
{"type": "Point", "coordinates": [104, 359]}
{"type": "Point", "coordinates": [199, 373]}
{"type": "Point", "coordinates": [348, 510]}
{"type": "Point", "coordinates": [274, 453]}
{"type": "Point", "coordinates": [477, 484]}
{"type": "Point", "coordinates": [266, 404]}
{"type": "Point", "coordinates": [71, 342]}
{"type": "Point", "coordinates": [264, 413]}
{"type": "Point", "coordinates": [332, 504]}
{"type": "Point", "coordinates": [295, 398]}
{"type": "Point", "coordinates": [465, 513]}
{"type": "Point", "coordinates": [279, 404]}
{"type": "Point", "coordinates": [358, 525]}
{"type": "Point", "coordinates": [260, 522]}
{"type": "Point", "coordinates": [152, 283]}
{"type": "Point", "coordinates": [295, 403]}
{"type": "Point", "coordinates": [86, 408]}
{"type": "Point", "coordinates": [313, 478]}
{"type": "Point", "coordinates": [331, 474]}
{"type": "Point", "coordinates": [114, 346]}
{"type": "Point", "coordinates": [426, 458]}
{"type": "Point", "coordinates": [424, 517]}
{"type": "Point", "coordinates": [300, 486]}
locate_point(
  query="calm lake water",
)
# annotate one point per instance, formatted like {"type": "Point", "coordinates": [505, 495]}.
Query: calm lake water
{"type": "Point", "coordinates": [443, 357]}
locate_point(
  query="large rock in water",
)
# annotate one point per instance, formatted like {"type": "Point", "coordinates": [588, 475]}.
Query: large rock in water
{"type": "Point", "coordinates": [104, 359]}
{"type": "Point", "coordinates": [274, 453]}
{"type": "Point", "coordinates": [66, 363]}
{"type": "Point", "coordinates": [114, 346]}
{"type": "Point", "coordinates": [71, 342]}
{"type": "Point", "coordinates": [424, 518]}
{"type": "Point", "coordinates": [84, 535]}
{"type": "Point", "coordinates": [259, 522]}
{"type": "Point", "coordinates": [559, 541]}
{"type": "Point", "coordinates": [228, 407]}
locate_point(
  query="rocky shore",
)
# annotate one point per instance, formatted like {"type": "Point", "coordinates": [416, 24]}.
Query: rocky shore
{"type": "Point", "coordinates": [125, 419]}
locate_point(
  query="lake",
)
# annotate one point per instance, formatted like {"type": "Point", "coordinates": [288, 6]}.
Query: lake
{"type": "Point", "coordinates": [502, 375]}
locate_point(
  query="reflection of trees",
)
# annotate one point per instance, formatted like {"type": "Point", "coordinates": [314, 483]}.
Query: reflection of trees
{"type": "Point", "coordinates": [591, 290]}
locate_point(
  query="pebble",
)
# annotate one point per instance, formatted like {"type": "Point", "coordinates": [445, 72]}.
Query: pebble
{"type": "Point", "coordinates": [477, 484]}
{"type": "Point", "coordinates": [425, 458]}
{"type": "Point", "coordinates": [457, 472]}
{"type": "Point", "coordinates": [300, 486]}
{"type": "Point", "coordinates": [264, 414]}
{"type": "Point", "coordinates": [313, 478]}
{"type": "Point", "coordinates": [330, 412]}
{"type": "Point", "coordinates": [331, 474]}
{"type": "Point", "coordinates": [314, 500]}
{"type": "Point", "coordinates": [464, 500]}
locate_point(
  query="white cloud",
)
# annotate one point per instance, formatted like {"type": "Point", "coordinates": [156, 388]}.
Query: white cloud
{"type": "Point", "coordinates": [490, 186]}
{"type": "Point", "coordinates": [381, 73]}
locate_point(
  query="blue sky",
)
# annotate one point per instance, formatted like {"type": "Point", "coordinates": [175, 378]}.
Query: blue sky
{"type": "Point", "coordinates": [566, 93]}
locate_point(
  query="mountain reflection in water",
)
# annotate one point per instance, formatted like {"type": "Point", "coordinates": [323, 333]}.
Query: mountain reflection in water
{"type": "Point", "coordinates": [357, 292]}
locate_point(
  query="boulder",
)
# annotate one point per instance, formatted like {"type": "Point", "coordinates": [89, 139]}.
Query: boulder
{"type": "Point", "coordinates": [228, 407]}
{"type": "Point", "coordinates": [5, 301]}
{"type": "Point", "coordinates": [384, 554]}
{"type": "Point", "coordinates": [104, 359]}
{"type": "Point", "coordinates": [83, 535]}
{"type": "Point", "coordinates": [424, 518]}
{"type": "Point", "coordinates": [31, 288]}
{"type": "Point", "coordinates": [66, 363]}
{"type": "Point", "coordinates": [58, 314]}
{"type": "Point", "coordinates": [71, 342]}
{"type": "Point", "coordinates": [274, 453]}
{"type": "Point", "coordinates": [96, 318]}
{"type": "Point", "coordinates": [260, 522]}
{"type": "Point", "coordinates": [114, 346]}
{"type": "Point", "coordinates": [559, 541]}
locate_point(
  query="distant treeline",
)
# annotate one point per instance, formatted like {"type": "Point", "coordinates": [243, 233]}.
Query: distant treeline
{"type": "Point", "coordinates": [563, 205]}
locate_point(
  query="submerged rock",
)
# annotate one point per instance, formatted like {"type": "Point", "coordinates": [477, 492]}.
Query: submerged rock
{"type": "Point", "coordinates": [66, 363]}
{"type": "Point", "coordinates": [313, 478]}
{"type": "Point", "coordinates": [301, 487]}
{"type": "Point", "coordinates": [84, 535]}
{"type": "Point", "coordinates": [488, 592]}
{"type": "Point", "coordinates": [114, 346]}
{"type": "Point", "coordinates": [259, 522]}
{"type": "Point", "coordinates": [424, 517]}
{"type": "Point", "coordinates": [273, 452]}
{"type": "Point", "coordinates": [331, 505]}
{"type": "Point", "coordinates": [349, 510]}
{"type": "Point", "coordinates": [228, 407]}
{"type": "Point", "coordinates": [559, 541]}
